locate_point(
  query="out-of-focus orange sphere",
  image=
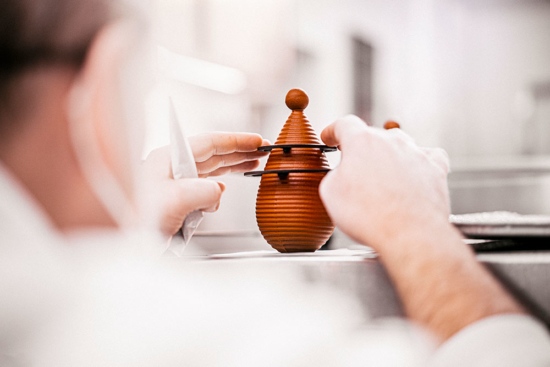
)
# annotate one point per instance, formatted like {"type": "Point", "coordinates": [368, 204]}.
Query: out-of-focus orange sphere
{"type": "Point", "coordinates": [390, 124]}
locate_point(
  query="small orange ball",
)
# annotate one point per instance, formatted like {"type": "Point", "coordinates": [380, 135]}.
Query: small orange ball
{"type": "Point", "coordinates": [391, 125]}
{"type": "Point", "coordinates": [296, 100]}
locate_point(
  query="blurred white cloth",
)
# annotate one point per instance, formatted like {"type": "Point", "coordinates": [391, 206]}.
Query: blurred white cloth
{"type": "Point", "coordinates": [505, 340]}
{"type": "Point", "coordinates": [89, 299]}
{"type": "Point", "coordinates": [32, 282]}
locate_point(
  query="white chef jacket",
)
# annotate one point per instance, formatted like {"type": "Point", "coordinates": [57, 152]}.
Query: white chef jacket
{"type": "Point", "coordinates": [107, 310]}
{"type": "Point", "coordinates": [504, 340]}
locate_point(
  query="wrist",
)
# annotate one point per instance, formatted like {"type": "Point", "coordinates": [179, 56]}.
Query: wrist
{"type": "Point", "coordinates": [441, 284]}
{"type": "Point", "coordinates": [415, 235]}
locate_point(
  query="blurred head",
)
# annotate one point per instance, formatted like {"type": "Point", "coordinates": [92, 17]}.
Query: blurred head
{"type": "Point", "coordinates": [37, 34]}
{"type": "Point", "coordinates": [68, 75]}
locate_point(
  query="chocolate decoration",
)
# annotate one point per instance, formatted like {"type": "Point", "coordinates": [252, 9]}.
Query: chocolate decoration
{"type": "Point", "coordinates": [289, 211]}
{"type": "Point", "coordinates": [390, 124]}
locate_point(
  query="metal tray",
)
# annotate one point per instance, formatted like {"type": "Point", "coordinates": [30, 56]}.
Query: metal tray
{"type": "Point", "coordinates": [498, 225]}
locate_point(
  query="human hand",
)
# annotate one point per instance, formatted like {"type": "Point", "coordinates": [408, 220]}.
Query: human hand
{"type": "Point", "coordinates": [215, 154]}
{"type": "Point", "coordinates": [392, 195]}
{"type": "Point", "coordinates": [385, 185]}
{"type": "Point", "coordinates": [220, 153]}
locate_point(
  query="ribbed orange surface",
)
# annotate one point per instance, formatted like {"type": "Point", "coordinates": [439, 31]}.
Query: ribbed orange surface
{"type": "Point", "coordinates": [289, 211]}
{"type": "Point", "coordinates": [297, 158]}
{"type": "Point", "coordinates": [297, 130]}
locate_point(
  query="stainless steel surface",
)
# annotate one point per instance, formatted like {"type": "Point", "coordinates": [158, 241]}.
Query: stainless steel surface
{"type": "Point", "coordinates": [355, 271]}
{"type": "Point", "coordinates": [513, 183]}
{"type": "Point", "coordinates": [525, 274]}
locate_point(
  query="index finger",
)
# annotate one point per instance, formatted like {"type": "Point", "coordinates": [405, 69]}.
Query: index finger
{"type": "Point", "coordinates": [207, 145]}
{"type": "Point", "coordinates": [335, 133]}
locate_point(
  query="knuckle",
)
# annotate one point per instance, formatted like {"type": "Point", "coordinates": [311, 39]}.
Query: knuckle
{"type": "Point", "coordinates": [353, 118]}
{"type": "Point", "coordinates": [359, 139]}
{"type": "Point", "coordinates": [201, 169]}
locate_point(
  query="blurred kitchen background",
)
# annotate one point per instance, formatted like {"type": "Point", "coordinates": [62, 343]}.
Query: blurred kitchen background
{"type": "Point", "coordinates": [471, 76]}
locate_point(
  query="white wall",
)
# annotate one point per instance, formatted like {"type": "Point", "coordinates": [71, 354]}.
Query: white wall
{"type": "Point", "coordinates": [449, 71]}
{"type": "Point", "coordinates": [498, 50]}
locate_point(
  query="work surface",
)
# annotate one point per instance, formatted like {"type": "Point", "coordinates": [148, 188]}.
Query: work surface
{"type": "Point", "coordinates": [524, 274]}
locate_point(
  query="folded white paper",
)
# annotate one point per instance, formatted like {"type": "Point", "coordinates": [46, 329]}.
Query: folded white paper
{"type": "Point", "coordinates": [183, 166]}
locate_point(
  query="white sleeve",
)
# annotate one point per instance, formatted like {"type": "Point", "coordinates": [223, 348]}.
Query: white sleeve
{"type": "Point", "coordinates": [504, 340]}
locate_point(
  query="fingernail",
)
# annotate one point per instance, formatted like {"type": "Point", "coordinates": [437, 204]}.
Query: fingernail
{"type": "Point", "coordinates": [222, 186]}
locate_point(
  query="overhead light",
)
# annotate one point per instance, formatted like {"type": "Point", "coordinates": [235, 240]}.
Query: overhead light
{"type": "Point", "coordinates": [200, 73]}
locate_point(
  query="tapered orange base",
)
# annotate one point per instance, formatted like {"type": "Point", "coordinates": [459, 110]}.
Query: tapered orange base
{"type": "Point", "coordinates": [289, 211]}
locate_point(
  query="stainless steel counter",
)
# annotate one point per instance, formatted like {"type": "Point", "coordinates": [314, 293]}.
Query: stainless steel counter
{"type": "Point", "coordinates": [525, 274]}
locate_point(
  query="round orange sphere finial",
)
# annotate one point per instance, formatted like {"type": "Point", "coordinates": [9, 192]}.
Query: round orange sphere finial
{"type": "Point", "coordinates": [391, 125]}
{"type": "Point", "coordinates": [296, 100]}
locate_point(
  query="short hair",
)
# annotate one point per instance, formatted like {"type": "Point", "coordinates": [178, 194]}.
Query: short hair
{"type": "Point", "coordinates": [41, 32]}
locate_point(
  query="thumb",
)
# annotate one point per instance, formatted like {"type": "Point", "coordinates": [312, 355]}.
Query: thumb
{"type": "Point", "coordinates": [197, 194]}
{"type": "Point", "coordinates": [347, 126]}
{"type": "Point", "coordinates": [187, 195]}
{"type": "Point", "coordinates": [326, 189]}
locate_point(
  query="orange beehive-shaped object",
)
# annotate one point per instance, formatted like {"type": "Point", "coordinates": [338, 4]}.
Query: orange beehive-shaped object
{"type": "Point", "coordinates": [289, 211]}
